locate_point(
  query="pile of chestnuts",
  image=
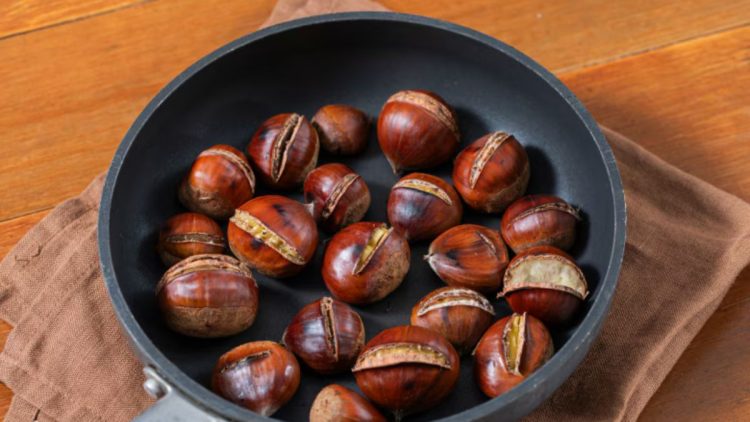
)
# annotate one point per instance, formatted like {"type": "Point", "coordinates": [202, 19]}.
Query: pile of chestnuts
{"type": "Point", "coordinates": [206, 292]}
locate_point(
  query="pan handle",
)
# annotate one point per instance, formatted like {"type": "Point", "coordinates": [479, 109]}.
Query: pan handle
{"type": "Point", "coordinates": [171, 405]}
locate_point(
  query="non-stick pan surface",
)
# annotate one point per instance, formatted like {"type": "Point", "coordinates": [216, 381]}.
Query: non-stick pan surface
{"type": "Point", "coordinates": [358, 59]}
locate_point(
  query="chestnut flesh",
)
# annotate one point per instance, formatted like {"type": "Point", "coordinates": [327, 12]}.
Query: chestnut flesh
{"type": "Point", "coordinates": [189, 234]}
{"type": "Point", "coordinates": [338, 195]}
{"type": "Point", "coordinates": [421, 206]}
{"type": "Point", "coordinates": [365, 262]}
{"type": "Point", "coordinates": [545, 282]}
{"type": "Point", "coordinates": [327, 335]}
{"type": "Point", "coordinates": [342, 129]}
{"type": "Point", "coordinates": [510, 350]}
{"type": "Point", "coordinates": [336, 403]}
{"type": "Point", "coordinates": [273, 234]}
{"type": "Point", "coordinates": [492, 172]}
{"type": "Point", "coordinates": [208, 296]}
{"type": "Point", "coordinates": [537, 220]}
{"type": "Point", "coordinates": [261, 376]}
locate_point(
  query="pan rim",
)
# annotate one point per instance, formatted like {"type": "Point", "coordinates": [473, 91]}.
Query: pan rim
{"type": "Point", "coordinates": [564, 361]}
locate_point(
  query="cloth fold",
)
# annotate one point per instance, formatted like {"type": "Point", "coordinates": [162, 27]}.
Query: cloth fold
{"type": "Point", "coordinates": [68, 360]}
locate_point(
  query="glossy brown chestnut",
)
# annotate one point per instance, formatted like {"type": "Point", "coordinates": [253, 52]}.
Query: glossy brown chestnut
{"type": "Point", "coordinates": [219, 181]}
{"type": "Point", "coordinates": [327, 335]}
{"type": "Point", "coordinates": [208, 296]}
{"type": "Point", "coordinates": [338, 195]}
{"type": "Point", "coordinates": [469, 256]}
{"type": "Point", "coordinates": [510, 351]}
{"type": "Point", "coordinates": [342, 129]}
{"type": "Point", "coordinates": [189, 234]}
{"type": "Point", "coordinates": [336, 403]}
{"type": "Point", "coordinates": [460, 315]}
{"type": "Point", "coordinates": [417, 129]}
{"type": "Point", "coordinates": [261, 376]}
{"type": "Point", "coordinates": [545, 282]}
{"type": "Point", "coordinates": [365, 262]}
{"type": "Point", "coordinates": [283, 150]}
{"type": "Point", "coordinates": [407, 369]}
{"type": "Point", "coordinates": [421, 206]}
{"type": "Point", "coordinates": [537, 220]}
{"type": "Point", "coordinates": [492, 172]}
{"type": "Point", "coordinates": [273, 234]}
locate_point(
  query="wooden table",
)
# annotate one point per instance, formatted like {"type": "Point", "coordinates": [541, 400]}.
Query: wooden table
{"type": "Point", "coordinates": [672, 74]}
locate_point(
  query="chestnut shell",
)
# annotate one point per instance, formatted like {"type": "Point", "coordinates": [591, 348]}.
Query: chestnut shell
{"type": "Point", "coordinates": [537, 220]}
{"type": "Point", "coordinates": [342, 129]}
{"type": "Point", "coordinates": [189, 234]}
{"type": "Point", "coordinates": [338, 195]}
{"type": "Point", "coordinates": [421, 206]}
{"type": "Point", "coordinates": [336, 403]}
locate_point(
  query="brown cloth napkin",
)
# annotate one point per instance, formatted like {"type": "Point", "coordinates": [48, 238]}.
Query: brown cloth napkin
{"type": "Point", "coordinates": [67, 358]}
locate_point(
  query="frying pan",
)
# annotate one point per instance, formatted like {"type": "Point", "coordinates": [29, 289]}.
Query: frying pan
{"type": "Point", "coordinates": [358, 59]}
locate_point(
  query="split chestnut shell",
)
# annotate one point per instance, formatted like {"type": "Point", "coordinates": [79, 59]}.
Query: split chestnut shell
{"type": "Point", "coordinates": [338, 195]}
{"type": "Point", "coordinates": [189, 234]}
{"type": "Point", "coordinates": [537, 220]}
{"type": "Point", "coordinates": [336, 403]}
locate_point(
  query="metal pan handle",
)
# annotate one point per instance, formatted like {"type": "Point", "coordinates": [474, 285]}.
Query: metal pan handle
{"type": "Point", "coordinates": [171, 405]}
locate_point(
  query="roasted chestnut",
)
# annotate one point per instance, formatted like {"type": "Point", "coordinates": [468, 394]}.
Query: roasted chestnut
{"type": "Point", "coordinates": [460, 315]}
{"type": "Point", "coordinates": [469, 256]}
{"type": "Point", "coordinates": [336, 403]}
{"type": "Point", "coordinates": [327, 335]}
{"type": "Point", "coordinates": [421, 206]}
{"type": "Point", "coordinates": [219, 181]}
{"type": "Point", "coordinates": [407, 369]}
{"type": "Point", "coordinates": [189, 234]}
{"type": "Point", "coordinates": [342, 129]}
{"type": "Point", "coordinates": [283, 150]}
{"type": "Point", "coordinates": [261, 376]}
{"type": "Point", "coordinates": [537, 220]}
{"type": "Point", "coordinates": [492, 172]}
{"type": "Point", "coordinates": [417, 129]}
{"type": "Point", "coordinates": [338, 195]}
{"type": "Point", "coordinates": [273, 234]}
{"type": "Point", "coordinates": [365, 262]}
{"type": "Point", "coordinates": [510, 351]}
{"type": "Point", "coordinates": [545, 282]}
{"type": "Point", "coordinates": [208, 296]}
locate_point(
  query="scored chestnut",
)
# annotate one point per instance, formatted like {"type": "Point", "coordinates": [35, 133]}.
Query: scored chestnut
{"type": "Point", "coordinates": [509, 352]}
{"type": "Point", "coordinates": [537, 220]}
{"type": "Point", "coordinates": [365, 262]}
{"type": "Point", "coordinates": [545, 282]}
{"type": "Point", "coordinates": [261, 376]}
{"type": "Point", "coordinates": [460, 315]}
{"type": "Point", "coordinates": [283, 150]}
{"type": "Point", "coordinates": [407, 369]}
{"type": "Point", "coordinates": [189, 234]}
{"type": "Point", "coordinates": [273, 234]}
{"type": "Point", "coordinates": [417, 129]}
{"type": "Point", "coordinates": [327, 335]}
{"type": "Point", "coordinates": [338, 195]}
{"type": "Point", "coordinates": [492, 172]}
{"type": "Point", "coordinates": [336, 403]}
{"type": "Point", "coordinates": [421, 206]}
{"type": "Point", "coordinates": [219, 181]}
{"type": "Point", "coordinates": [469, 256]}
{"type": "Point", "coordinates": [208, 296]}
{"type": "Point", "coordinates": [342, 129]}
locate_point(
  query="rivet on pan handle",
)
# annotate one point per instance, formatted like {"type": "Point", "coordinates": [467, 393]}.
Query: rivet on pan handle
{"type": "Point", "coordinates": [171, 405]}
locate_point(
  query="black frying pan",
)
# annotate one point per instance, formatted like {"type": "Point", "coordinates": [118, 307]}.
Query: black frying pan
{"type": "Point", "coordinates": [358, 59]}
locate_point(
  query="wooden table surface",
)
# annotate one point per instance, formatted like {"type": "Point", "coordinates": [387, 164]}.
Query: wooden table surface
{"type": "Point", "coordinates": [674, 75]}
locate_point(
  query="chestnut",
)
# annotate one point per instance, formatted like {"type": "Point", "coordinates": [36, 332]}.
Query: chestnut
{"type": "Point", "coordinates": [219, 181]}
{"type": "Point", "coordinates": [469, 256]}
{"type": "Point", "coordinates": [365, 262]}
{"type": "Point", "coordinates": [283, 150]}
{"type": "Point", "coordinates": [421, 206]}
{"type": "Point", "coordinates": [273, 234]}
{"type": "Point", "coordinates": [261, 376]}
{"type": "Point", "coordinates": [460, 315]}
{"type": "Point", "coordinates": [492, 172]}
{"type": "Point", "coordinates": [208, 296]}
{"type": "Point", "coordinates": [342, 129]}
{"type": "Point", "coordinates": [536, 220]}
{"type": "Point", "coordinates": [327, 335]}
{"type": "Point", "coordinates": [407, 369]}
{"type": "Point", "coordinates": [545, 282]}
{"type": "Point", "coordinates": [336, 403]}
{"type": "Point", "coordinates": [189, 234]}
{"type": "Point", "coordinates": [338, 195]}
{"type": "Point", "coordinates": [510, 351]}
{"type": "Point", "coordinates": [417, 129]}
